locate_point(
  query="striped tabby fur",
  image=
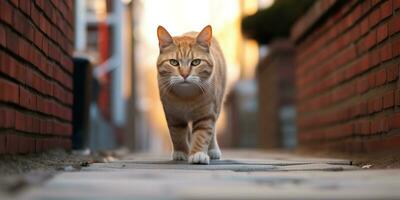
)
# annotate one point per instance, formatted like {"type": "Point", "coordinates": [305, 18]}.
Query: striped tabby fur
{"type": "Point", "coordinates": [191, 79]}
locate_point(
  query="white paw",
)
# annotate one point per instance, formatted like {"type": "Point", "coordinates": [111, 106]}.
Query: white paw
{"type": "Point", "coordinates": [215, 154]}
{"type": "Point", "coordinates": [179, 155]}
{"type": "Point", "coordinates": [199, 158]}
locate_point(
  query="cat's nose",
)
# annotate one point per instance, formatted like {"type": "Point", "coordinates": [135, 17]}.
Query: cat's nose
{"type": "Point", "coordinates": [184, 73]}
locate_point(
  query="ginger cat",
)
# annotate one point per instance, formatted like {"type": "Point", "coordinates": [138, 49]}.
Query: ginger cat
{"type": "Point", "coordinates": [191, 79]}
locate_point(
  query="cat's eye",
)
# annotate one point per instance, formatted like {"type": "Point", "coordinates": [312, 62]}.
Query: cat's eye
{"type": "Point", "coordinates": [195, 62]}
{"type": "Point", "coordinates": [173, 62]}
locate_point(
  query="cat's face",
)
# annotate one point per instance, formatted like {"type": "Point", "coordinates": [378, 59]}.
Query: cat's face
{"type": "Point", "coordinates": [184, 64]}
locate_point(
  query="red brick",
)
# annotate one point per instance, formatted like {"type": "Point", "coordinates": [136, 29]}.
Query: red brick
{"type": "Point", "coordinates": [31, 145]}
{"type": "Point", "coordinates": [12, 142]}
{"type": "Point", "coordinates": [21, 71]}
{"type": "Point", "coordinates": [396, 47]}
{"type": "Point", "coordinates": [42, 126]}
{"type": "Point", "coordinates": [27, 99]}
{"type": "Point", "coordinates": [22, 145]}
{"type": "Point", "coordinates": [380, 77]}
{"type": "Point", "coordinates": [374, 57]}
{"type": "Point", "coordinates": [38, 145]}
{"type": "Point", "coordinates": [363, 127]}
{"type": "Point", "coordinates": [28, 123]}
{"type": "Point", "coordinates": [386, 52]}
{"type": "Point", "coordinates": [9, 91]}
{"type": "Point", "coordinates": [36, 82]}
{"type": "Point", "coordinates": [3, 144]}
{"type": "Point", "coordinates": [362, 85]}
{"type": "Point", "coordinates": [15, 2]}
{"type": "Point", "coordinates": [385, 123]}
{"type": "Point", "coordinates": [18, 22]}
{"type": "Point", "coordinates": [363, 108]}
{"type": "Point", "coordinates": [392, 72]}
{"type": "Point", "coordinates": [396, 4]}
{"type": "Point", "coordinates": [20, 121]}
{"type": "Point", "coordinates": [67, 144]}
{"type": "Point", "coordinates": [355, 15]}
{"type": "Point", "coordinates": [377, 104]}
{"type": "Point", "coordinates": [375, 126]}
{"type": "Point", "coordinates": [371, 108]}
{"type": "Point", "coordinates": [382, 33]}
{"type": "Point", "coordinates": [38, 38]}
{"type": "Point", "coordinates": [35, 124]}
{"type": "Point", "coordinates": [379, 125]}
{"type": "Point", "coordinates": [374, 18]}
{"type": "Point", "coordinates": [388, 99]}
{"type": "Point", "coordinates": [386, 9]}
{"type": "Point", "coordinates": [6, 12]}
{"type": "Point", "coordinates": [390, 142]}
{"type": "Point", "coordinates": [2, 36]}
{"type": "Point", "coordinates": [25, 6]}
{"type": "Point", "coordinates": [364, 26]}
{"type": "Point", "coordinates": [374, 2]}
{"type": "Point", "coordinates": [366, 5]}
{"type": "Point", "coordinates": [8, 66]}
{"type": "Point", "coordinates": [397, 97]}
{"type": "Point", "coordinates": [395, 121]}
{"type": "Point", "coordinates": [7, 118]}
{"type": "Point", "coordinates": [371, 80]}
{"type": "Point", "coordinates": [394, 25]}
{"type": "Point", "coordinates": [12, 41]}
{"type": "Point", "coordinates": [369, 41]}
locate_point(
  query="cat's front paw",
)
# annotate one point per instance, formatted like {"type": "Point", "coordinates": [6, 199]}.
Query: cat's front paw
{"type": "Point", "coordinates": [199, 158]}
{"type": "Point", "coordinates": [179, 155]}
{"type": "Point", "coordinates": [215, 154]}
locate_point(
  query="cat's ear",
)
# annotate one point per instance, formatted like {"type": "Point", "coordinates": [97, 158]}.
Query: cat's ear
{"type": "Point", "coordinates": [164, 38]}
{"type": "Point", "coordinates": [205, 36]}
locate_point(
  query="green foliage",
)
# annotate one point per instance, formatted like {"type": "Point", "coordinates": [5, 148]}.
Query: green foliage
{"type": "Point", "coordinates": [275, 21]}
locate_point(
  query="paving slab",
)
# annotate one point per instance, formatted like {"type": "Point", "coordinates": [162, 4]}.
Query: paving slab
{"type": "Point", "coordinates": [257, 175]}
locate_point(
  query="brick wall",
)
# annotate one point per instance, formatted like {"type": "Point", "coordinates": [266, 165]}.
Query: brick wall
{"type": "Point", "coordinates": [347, 75]}
{"type": "Point", "coordinates": [36, 44]}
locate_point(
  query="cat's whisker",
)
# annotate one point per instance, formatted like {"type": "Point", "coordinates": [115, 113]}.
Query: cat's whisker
{"type": "Point", "coordinates": [165, 86]}
{"type": "Point", "coordinates": [171, 86]}
{"type": "Point", "coordinates": [200, 86]}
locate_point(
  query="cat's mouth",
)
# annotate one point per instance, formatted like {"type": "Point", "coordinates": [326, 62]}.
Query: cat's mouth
{"type": "Point", "coordinates": [186, 83]}
{"type": "Point", "coordinates": [186, 89]}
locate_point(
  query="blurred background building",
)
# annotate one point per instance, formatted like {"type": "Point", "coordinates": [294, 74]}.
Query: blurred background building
{"type": "Point", "coordinates": [103, 34]}
{"type": "Point", "coordinates": [276, 113]}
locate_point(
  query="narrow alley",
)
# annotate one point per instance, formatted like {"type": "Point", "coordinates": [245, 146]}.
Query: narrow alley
{"type": "Point", "coordinates": [199, 99]}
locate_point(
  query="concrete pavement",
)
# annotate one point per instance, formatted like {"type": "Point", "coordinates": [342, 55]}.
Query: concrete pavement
{"type": "Point", "coordinates": [239, 175]}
